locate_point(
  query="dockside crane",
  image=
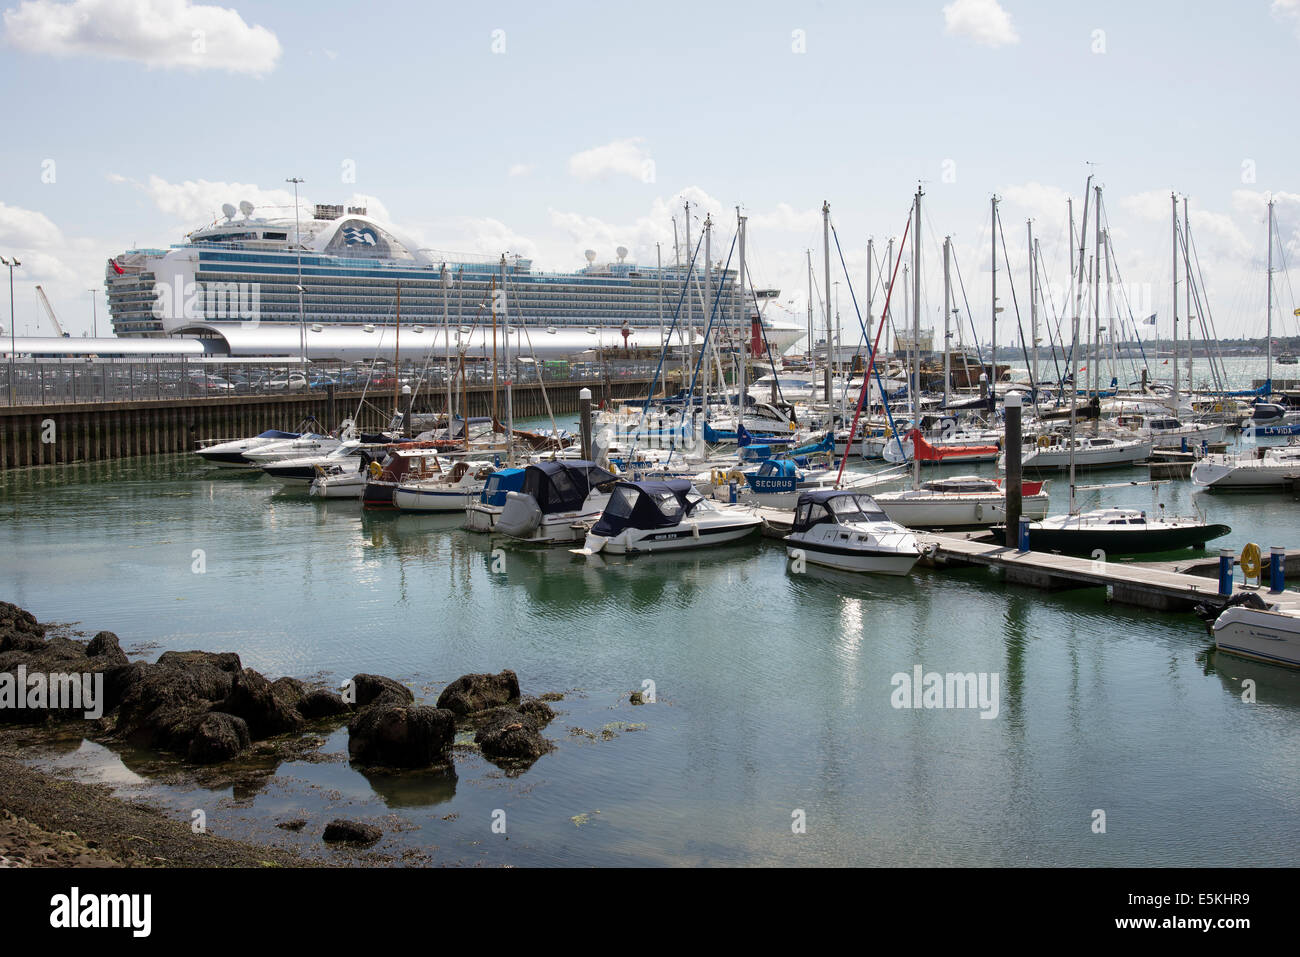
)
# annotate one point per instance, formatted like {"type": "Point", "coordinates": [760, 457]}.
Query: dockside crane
{"type": "Point", "coordinates": [49, 311]}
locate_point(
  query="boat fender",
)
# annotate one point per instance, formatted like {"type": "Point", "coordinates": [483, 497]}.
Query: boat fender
{"type": "Point", "coordinates": [735, 475]}
{"type": "Point", "coordinates": [376, 470]}
{"type": "Point", "coordinates": [979, 511]}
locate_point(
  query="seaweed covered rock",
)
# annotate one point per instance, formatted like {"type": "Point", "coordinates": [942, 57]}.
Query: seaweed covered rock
{"type": "Point", "coordinates": [322, 703]}
{"type": "Point", "coordinates": [400, 736]}
{"type": "Point", "coordinates": [539, 711]}
{"type": "Point", "coordinates": [343, 831]}
{"type": "Point", "coordinates": [368, 688]}
{"type": "Point", "coordinates": [107, 648]}
{"type": "Point", "coordinates": [18, 628]}
{"type": "Point", "coordinates": [158, 704]}
{"type": "Point", "coordinates": [218, 737]}
{"type": "Point", "coordinates": [506, 734]}
{"type": "Point", "coordinates": [478, 692]}
{"type": "Point", "coordinates": [210, 671]}
{"type": "Point", "coordinates": [269, 709]}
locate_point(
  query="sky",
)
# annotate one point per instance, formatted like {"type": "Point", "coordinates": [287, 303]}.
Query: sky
{"type": "Point", "coordinates": [548, 129]}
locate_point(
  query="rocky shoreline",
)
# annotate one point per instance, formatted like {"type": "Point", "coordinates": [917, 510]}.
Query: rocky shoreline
{"type": "Point", "coordinates": [208, 710]}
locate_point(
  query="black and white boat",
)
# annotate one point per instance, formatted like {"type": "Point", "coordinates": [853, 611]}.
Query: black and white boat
{"type": "Point", "coordinates": [558, 502]}
{"type": "Point", "coordinates": [842, 529]}
{"type": "Point", "coordinates": [645, 517]}
{"type": "Point", "coordinates": [230, 455]}
{"type": "Point", "coordinates": [1119, 531]}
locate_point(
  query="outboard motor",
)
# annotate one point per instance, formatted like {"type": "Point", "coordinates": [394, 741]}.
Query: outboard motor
{"type": "Point", "coordinates": [520, 516]}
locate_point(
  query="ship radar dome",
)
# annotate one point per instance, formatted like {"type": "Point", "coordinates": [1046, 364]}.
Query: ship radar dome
{"type": "Point", "coordinates": [591, 255]}
{"type": "Point", "coordinates": [622, 253]}
{"type": "Point", "coordinates": [246, 208]}
{"type": "Point", "coordinates": [228, 210]}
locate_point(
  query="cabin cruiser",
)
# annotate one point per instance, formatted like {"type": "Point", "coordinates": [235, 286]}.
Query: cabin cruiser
{"type": "Point", "coordinates": [349, 454]}
{"type": "Point", "coordinates": [1166, 430]}
{"type": "Point", "coordinates": [1119, 531]}
{"type": "Point", "coordinates": [1267, 467]}
{"type": "Point", "coordinates": [843, 529]}
{"type": "Point", "coordinates": [338, 481]}
{"type": "Point", "coordinates": [410, 462]}
{"type": "Point", "coordinates": [307, 444]}
{"type": "Point", "coordinates": [450, 490]}
{"type": "Point", "coordinates": [557, 502]}
{"type": "Point", "coordinates": [645, 517]}
{"type": "Point", "coordinates": [230, 455]}
{"type": "Point", "coordinates": [963, 501]}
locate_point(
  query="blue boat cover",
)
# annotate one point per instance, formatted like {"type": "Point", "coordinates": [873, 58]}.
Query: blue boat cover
{"type": "Point", "coordinates": [646, 505]}
{"type": "Point", "coordinates": [562, 486]}
{"type": "Point", "coordinates": [277, 434]}
{"type": "Point", "coordinates": [498, 484]}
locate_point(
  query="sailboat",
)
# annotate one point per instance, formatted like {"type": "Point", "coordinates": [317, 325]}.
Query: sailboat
{"type": "Point", "coordinates": [1114, 531]}
{"type": "Point", "coordinates": [963, 501]}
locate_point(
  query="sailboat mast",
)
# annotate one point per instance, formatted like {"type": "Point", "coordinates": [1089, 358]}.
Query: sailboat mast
{"type": "Point", "coordinates": [740, 311]}
{"type": "Point", "coordinates": [916, 335]}
{"type": "Point", "coordinates": [1173, 200]}
{"type": "Point", "coordinates": [1187, 289]}
{"type": "Point", "coordinates": [993, 346]}
{"type": "Point", "coordinates": [947, 315]}
{"type": "Point", "coordinates": [706, 345]}
{"type": "Point", "coordinates": [812, 345]}
{"type": "Point", "coordinates": [690, 328]}
{"type": "Point", "coordinates": [446, 341]}
{"type": "Point", "coordinates": [1096, 297]}
{"type": "Point", "coordinates": [397, 357]}
{"type": "Point", "coordinates": [1074, 332]}
{"type": "Point", "coordinates": [826, 291]}
{"type": "Point", "coordinates": [1033, 303]}
{"type": "Point", "coordinates": [1268, 374]}
{"type": "Point", "coordinates": [510, 410]}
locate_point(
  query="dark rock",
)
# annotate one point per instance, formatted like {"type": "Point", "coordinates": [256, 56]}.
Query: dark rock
{"type": "Point", "coordinates": [369, 687]}
{"type": "Point", "coordinates": [218, 737]}
{"type": "Point", "coordinates": [398, 736]}
{"type": "Point", "coordinates": [156, 700]}
{"type": "Point", "coordinates": [636, 698]}
{"type": "Point", "coordinates": [341, 831]}
{"type": "Point", "coordinates": [539, 711]}
{"type": "Point", "coordinates": [478, 692]}
{"type": "Point", "coordinates": [18, 628]}
{"type": "Point", "coordinates": [512, 737]}
{"type": "Point", "coordinates": [289, 690]}
{"type": "Point", "coordinates": [322, 703]}
{"type": "Point", "coordinates": [172, 727]}
{"type": "Point", "coordinates": [119, 679]}
{"type": "Point", "coordinates": [105, 645]}
{"type": "Point", "coordinates": [551, 696]}
{"type": "Point", "coordinates": [267, 709]}
{"type": "Point", "coordinates": [226, 661]}
{"type": "Point", "coordinates": [297, 824]}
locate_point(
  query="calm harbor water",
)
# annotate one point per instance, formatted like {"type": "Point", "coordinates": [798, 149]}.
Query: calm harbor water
{"type": "Point", "coordinates": [773, 689]}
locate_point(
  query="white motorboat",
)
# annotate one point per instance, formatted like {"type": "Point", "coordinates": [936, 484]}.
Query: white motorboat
{"type": "Point", "coordinates": [230, 455]}
{"type": "Point", "coordinates": [1264, 468]}
{"type": "Point", "coordinates": [309, 444]}
{"type": "Point", "coordinates": [1264, 634]}
{"type": "Point", "coordinates": [1166, 430]}
{"type": "Point", "coordinates": [847, 530]}
{"type": "Point", "coordinates": [557, 502]}
{"type": "Point", "coordinates": [1052, 452]}
{"type": "Point", "coordinates": [646, 517]}
{"type": "Point", "coordinates": [338, 481]}
{"type": "Point", "coordinates": [350, 454]}
{"type": "Point", "coordinates": [451, 490]}
{"type": "Point", "coordinates": [963, 501]}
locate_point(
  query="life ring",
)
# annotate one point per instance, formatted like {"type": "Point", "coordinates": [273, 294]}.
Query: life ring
{"type": "Point", "coordinates": [1044, 441]}
{"type": "Point", "coordinates": [1250, 560]}
{"type": "Point", "coordinates": [376, 470]}
{"type": "Point", "coordinates": [735, 475]}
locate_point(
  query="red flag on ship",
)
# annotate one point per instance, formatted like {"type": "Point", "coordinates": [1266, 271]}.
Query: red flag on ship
{"type": "Point", "coordinates": [116, 268]}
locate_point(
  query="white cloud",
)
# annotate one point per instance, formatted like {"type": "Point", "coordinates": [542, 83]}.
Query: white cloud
{"type": "Point", "coordinates": [157, 33]}
{"type": "Point", "coordinates": [1287, 10]}
{"type": "Point", "coordinates": [622, 157]}
{"type": "Point", "coordinates": [519, 169]}
{"type": "Point", "coordinates": [983, 21]}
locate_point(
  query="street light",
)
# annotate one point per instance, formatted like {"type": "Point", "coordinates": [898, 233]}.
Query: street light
{"type": "Point", "coordinates": [13, 342]}
{"type": "Point", "coordinates": [297, 241]}
{"type": "Point", "coordinates": [94, 317]}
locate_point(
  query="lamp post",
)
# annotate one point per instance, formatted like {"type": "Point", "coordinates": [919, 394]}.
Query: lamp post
{"type": "Point", "coordinates": [94, 314]}
{"type": "Point", "coordinates": [297, 241]}
{"type": "Point", "coordinates": [13, 341]}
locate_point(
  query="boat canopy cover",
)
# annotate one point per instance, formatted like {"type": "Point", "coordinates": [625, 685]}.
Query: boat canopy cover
{"type": "Point", "coordinates": [647, 505]}
{"type": "Point", "coordinates": [783, 468]}
{"type": "Point", "coordinates": [499, 483]}
{"type": "Point", "coordinates": [835, 505]}
{"type": "Point", "coordinates": [277, 434]}
{"type": "Point", "coordinates": [562, 486]}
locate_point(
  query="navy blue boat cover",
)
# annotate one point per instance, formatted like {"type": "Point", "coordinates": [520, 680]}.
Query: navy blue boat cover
{"type": "Point", "coordinates": [645, 505]}
{"type": "Point", "coordinates": [562, 486]}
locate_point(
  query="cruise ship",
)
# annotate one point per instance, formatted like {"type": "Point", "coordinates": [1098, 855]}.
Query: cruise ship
{"type": "Point", "coordinates": [243, 273]}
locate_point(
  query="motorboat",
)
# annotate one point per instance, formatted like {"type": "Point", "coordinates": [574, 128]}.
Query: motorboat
{"type": "Point", "coordinates": [962, 501]}
{"type": "Point", "coordinates": [349, 454]}
{"type": "Point", "coordinates": [450, 490]}
{"type": "Point", "coordinates": [843, 529]}
{"type": "Point", "coordinates": [482, 513]}
{"type": "Point", "coordinates": [338, 481]}
{"type": "Point", "coordinates": [645, 517]}
{"type": "Point", "coordinates": [1267, 467]}
{"type": "Point", "coordinates": [404, 464]}
{"type": "Point", "coordinates": [1263, 634]}
{"type": "Point", "coordinates": [230, 455]}
{"type": "Point", "coordinates": [1119, 531]}
{"type": "Point", "coordinates": [557, 503]}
